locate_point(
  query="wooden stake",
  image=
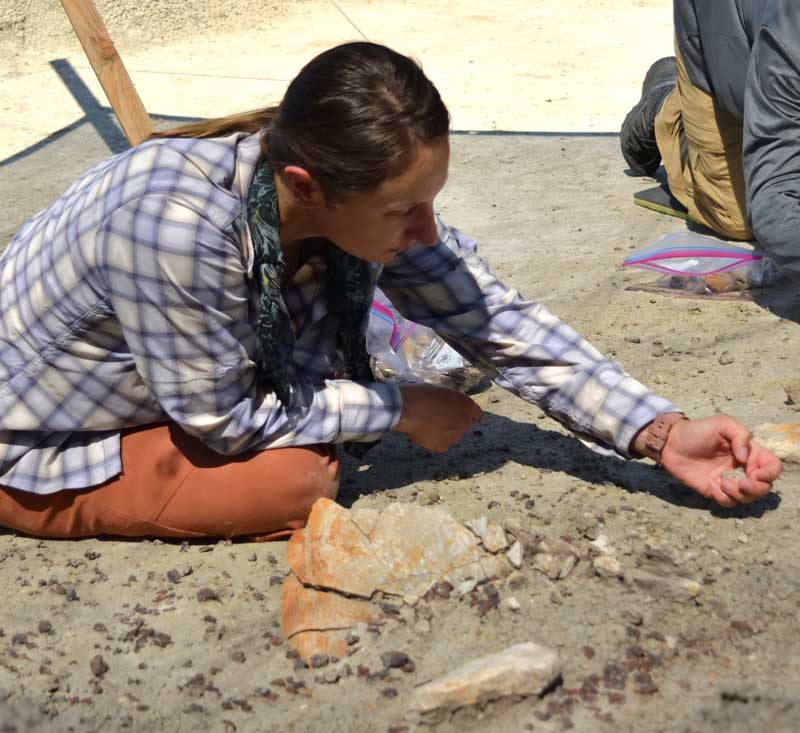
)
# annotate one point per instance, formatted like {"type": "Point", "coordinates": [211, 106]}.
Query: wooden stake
{"type": "Point", "coordinates": [110, 71]}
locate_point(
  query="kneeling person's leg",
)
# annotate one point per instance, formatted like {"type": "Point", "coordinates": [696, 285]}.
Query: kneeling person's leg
{"type": "Point", "coordinates": [172, 485]}
{"type": "Point", "coordinates": [701, 147]}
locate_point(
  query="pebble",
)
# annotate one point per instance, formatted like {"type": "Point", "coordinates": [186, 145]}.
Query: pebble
{"type": "Point", "coordinates": [514, 555]}
{"type": "Point", "coordinates": [520, 670]}
{"type": "Point", "coordinates": [331, 676]}
{"type": "Point", "coordinates": [352, 639]}
{"type": "Point", "coordinates": [98, 666]}
{"type": "Point", "coordinates": [494, 539]}
{"type": "Point", "coordinates": [725, 358]}
{"type": "Point", "coordinates": [319, 660]}
{"type": "Point", "coordinates": [466, 587]}
{"type": "Point", "coordinates": [45, 627]}
{"type": "Point", "coordinates": [512, 604]}
{"type": "Point", "coordinates": [173, 576]}
{"type": "Point", "coordinates": [207, 594]}
{"type": "Point", "coordinates": [394, 659]}
{"type": "Point", "coordinates": [607, 566]}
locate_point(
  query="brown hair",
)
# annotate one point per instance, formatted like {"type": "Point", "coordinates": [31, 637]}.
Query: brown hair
{"type": "Point", "coordinates": [352, 117]}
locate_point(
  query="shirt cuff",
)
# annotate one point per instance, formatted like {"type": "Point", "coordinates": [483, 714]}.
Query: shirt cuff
{"type": "Point", "coordinates": [367, 411]}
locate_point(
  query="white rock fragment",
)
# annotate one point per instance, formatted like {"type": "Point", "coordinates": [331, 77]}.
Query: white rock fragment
{"type": "Point", "coordinates": [466, 587]}
{"type": "Point", "coordinates": [607, 566]}
{"type": "Point", "coordinates": [602, 544]}
{"type": "Point", "coordinates": [514, 555]}
{"type": "Point", "coordinates": [566, 565]}
{"type": "Point", "coordinates": [477, 526]}
{"type": "Point", "coordinates": [512, 604]}
{"type": "Point", "coordinates": [494, 539]}
{"type": "Point", "coordinates": [673, 587]}
{"type": "Point", "coordinates": [521, 670]}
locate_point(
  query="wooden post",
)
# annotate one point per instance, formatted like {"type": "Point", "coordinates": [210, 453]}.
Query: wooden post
{"type": "Point", "coordinates": [110, 70]}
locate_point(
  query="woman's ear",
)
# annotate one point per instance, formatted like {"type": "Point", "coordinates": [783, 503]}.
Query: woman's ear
{"type": "Point", "coordinates": [301, 185]}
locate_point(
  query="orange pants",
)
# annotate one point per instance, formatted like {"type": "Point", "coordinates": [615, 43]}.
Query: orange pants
{"type": "Point", "coordinates": [172, 485]}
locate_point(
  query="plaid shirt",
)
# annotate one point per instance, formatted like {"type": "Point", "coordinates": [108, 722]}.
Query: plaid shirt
{"type": "Point", "coordinates": [129, 301]}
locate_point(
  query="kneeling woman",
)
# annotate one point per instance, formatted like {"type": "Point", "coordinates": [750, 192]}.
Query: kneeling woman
{"type": "Point", "coordinates": [182, 332]}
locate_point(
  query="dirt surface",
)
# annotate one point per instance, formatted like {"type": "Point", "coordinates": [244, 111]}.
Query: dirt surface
{"type": "Point", "coordinates": [555, 217]}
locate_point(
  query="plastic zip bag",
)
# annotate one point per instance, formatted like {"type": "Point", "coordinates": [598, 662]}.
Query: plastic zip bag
{"type": "Point", "coordinates": [405, 351]}
{"type": "Point", "coordinates": [701, 264]}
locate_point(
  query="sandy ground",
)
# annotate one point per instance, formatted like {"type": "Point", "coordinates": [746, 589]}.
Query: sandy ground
{"type": "Point", "coordinates": [553, 213]}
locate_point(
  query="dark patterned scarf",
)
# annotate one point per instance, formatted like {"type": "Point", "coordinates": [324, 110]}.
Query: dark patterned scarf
{"type": "Point", "coordinates": [348, 290]}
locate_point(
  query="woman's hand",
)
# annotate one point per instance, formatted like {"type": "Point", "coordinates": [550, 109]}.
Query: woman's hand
{"type": "Point", "coordinates": [699, 452]}
{"type": "Point", "coordinates": [436, 417]}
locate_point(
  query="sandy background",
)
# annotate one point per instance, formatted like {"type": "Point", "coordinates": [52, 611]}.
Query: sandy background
{"type": "Point", "coordinates": [551, 208]}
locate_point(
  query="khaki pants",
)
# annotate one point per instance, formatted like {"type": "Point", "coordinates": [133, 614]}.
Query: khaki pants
{"type": "Point", "coordinates": [174, 486]}
{"type": "Point", "coordinates": [701, 148]}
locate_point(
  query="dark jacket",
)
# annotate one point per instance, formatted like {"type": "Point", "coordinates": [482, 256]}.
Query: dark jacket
{"type": "Point", "coordinates": [746, 54]}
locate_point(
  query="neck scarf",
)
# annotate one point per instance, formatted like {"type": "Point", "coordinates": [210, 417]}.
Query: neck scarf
{"type": "Point", "coordinates": [349, 291]}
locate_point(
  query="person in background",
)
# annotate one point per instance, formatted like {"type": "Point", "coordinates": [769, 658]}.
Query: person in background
{"type": "Point", "coordinates": [724, 117]}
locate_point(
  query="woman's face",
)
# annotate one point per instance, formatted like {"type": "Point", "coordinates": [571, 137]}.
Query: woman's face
{"type": "Point", "coordinates": [378, 225]}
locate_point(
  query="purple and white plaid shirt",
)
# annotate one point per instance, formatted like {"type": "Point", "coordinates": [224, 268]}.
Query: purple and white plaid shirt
{"type": "Point", "coordinates": [129, 301]}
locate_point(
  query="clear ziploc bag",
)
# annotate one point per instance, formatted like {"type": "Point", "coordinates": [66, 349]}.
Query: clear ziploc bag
{"type": "Point", "coordinates": [701, 264]}
{"type": "Point", "coordinates": [405, 351]}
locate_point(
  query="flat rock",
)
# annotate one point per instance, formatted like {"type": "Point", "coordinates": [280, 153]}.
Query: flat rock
{"type": "Point", "coordinates": [494, 539]}
{"type": "Point", "coordinates": [783, 439]}
{"type": "Point", "coordinates": [342, 559]}
{"type": "Point", "coordinates": [331, 538]}
{"type": "Point", "coordinates": [673, 587]}
{"type": "Point", "coordinates": [607, 566]}
{"type": "Point", "coordinates": [520, 670]}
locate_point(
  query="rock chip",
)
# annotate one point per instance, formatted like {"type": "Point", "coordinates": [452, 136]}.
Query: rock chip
{"type": "Point", "coordinates": [673, 587]}
{"type": "Point", "coordinates": [514, 555]}
{"type": "Point", "coordinates": [520, 670]}
{"type": "Point", "coordinates": [494, 538]}
{"type": "Point", "coordinates": [607, 566]}
{"type": "Point", "coordinates": [783, 439]}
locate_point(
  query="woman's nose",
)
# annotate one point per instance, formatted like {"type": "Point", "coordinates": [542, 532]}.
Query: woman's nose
{"type": "Point", "coordinates": [425, 231]}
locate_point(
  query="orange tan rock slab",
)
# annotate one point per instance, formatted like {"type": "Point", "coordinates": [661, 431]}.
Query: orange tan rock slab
{"type": "Point", "coordinates": [332, 552]}
{"type": "Point", "coordinates": [306, 609]}
{"type": "Point", "coordinates": [783, 439]}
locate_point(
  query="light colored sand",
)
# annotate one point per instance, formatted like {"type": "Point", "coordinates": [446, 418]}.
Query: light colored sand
{"type": "Point", "coordinates": [520, 65]}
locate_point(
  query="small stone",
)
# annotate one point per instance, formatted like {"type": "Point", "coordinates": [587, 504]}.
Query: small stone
{"type": "Point", "coordinates": [71, 594]}
{"type": "Point", "coordinates": [602, 544]}
{"type": "Point", "coordinates": [173, 576]}
{"type": "Point", "coordinates": [252, 557]}
{"type": "Point", "coordinates": [514, 555]}
{"type": "Point", "coordinates": [466, 587]}
{"type": "Point", "coordinates": [394, 659]}
{"type": "Point", "coordinates": [478, 526]}
{"type": "Point", "coordinates": [675, 588]}
{"type": "Point", "coordinates": [512, 604]}
{"type": "Point", "coordinates": [98, 666]}
{"type": "Point", "coordinates": [331, 676]}
{"type": "Point", "coordinates": [389, 692]}
{"type": "Point", "coordinates": [318, 661]}
{"type": "Point", "coordinates": [352, 639]}
{"type": "Point", "coordinates": [520, 670]}
{"type": "Point", "coordinates": [494, 538]}
{"type": "Point", "coordinates": [207, 594]}
{"type": "Point", "coordinates": [516, 580]}
{"type": "Point", "coordinates": [45, 627]}
{"type": "Point", "coordinates": [725, 358]}
{"type": "Point", "coordinates": [607, 566]}
{"type": "Point", "coordinates": [239, 656]}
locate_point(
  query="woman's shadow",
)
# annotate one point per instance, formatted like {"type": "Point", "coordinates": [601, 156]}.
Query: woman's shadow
{"type": "Point", "coordinates": [496, 441]}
